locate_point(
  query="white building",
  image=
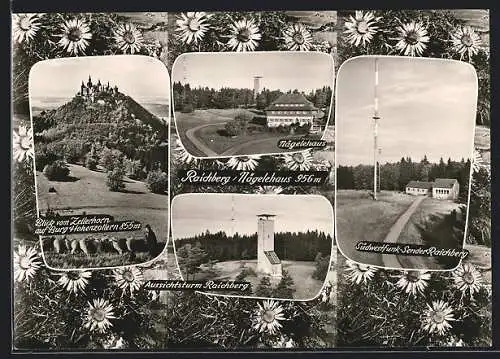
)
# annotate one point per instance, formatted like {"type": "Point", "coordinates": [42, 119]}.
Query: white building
{"type": "Point", "coordinates": [290, 109]}
{"type": "Point", "coordinates": [441, 188]}
{"type": "Point", "coordinates": [267, 260]}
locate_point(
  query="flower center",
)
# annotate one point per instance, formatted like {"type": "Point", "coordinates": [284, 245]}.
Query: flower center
{"type": "Point", "coordinates": [25, 143]}
{"type": "Point", "coordinates": [74, 34]}
{"type": "Point", "coordinates": [25, 23]}
{"type": "Point", "coordinates": [194, 25]}
{"type": "Point", "coordinates": [467, 40]}
{"type": "Point", "coordinates": [468, 278]}
{"type": "Point", "coordinates": [243, 35]}
{"type": "Point", "coordinates": [244, 159]}
{"type": "Point", "coordinates": [128, 37]}
{"type": "Point", "coordinates": [363, 268]}
{"type": "Point", "coordinates": [98, 315]}
{"type": "Point", "coordinates": [268, 316]}
{"type": "Point", "coordinates": [24, 263]}
{"type": "Point", "coordinates": [412, 37]}
{"type": "Point", "coordinates": [413, 277]}
{"type": "Point", "coordinates": [362, 27]}
{"type": "Point", "coordinates": [438, 317]}
{"type": "Point", "coordinates": [298, 38]}
{"type": "Point", "coordinates": [73, 276]}
{"type": "Point", "coordinates": [128, 276]}
{"type": "Point", "coordinates": [298, 158]}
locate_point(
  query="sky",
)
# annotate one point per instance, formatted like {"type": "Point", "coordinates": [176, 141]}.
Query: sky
{"type": "Point", "coordinates": [195, 213]}
{"type": "Point", "coordinates": [143, 78]}
{"type": "Point", "coordinates": [427, 107]}
{"type": "Point", "coordinates": [304, 71]}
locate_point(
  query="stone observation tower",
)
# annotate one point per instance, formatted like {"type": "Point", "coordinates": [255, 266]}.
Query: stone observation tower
{"type": "Point", "coordinates": [267, 260]}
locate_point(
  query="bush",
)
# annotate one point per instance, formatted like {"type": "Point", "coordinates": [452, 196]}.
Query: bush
{"type": "Point", "coordinates": [74, 150]}
{"type": "Point", "coordinates": [44, 157]}
{"type": "Point", "coordinates": [115, 179]}
{"type": "Point", "coordinates": [133, 169]}
{"type": "Point", "coordinates": [109, 157]}
{"type": "Point", "coordinates": [56, 171]}
{"type": "Point", "coordinates": [322, 265]}
{"type": "Point", "coordinates": [157, 181]}
{"type": "Point", "coordinates": [187, 108]}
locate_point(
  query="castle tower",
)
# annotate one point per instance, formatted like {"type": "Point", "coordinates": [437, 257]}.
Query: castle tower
{"type": "Point", "coordinates": [89, 82]}
{"type": "Point", "coordinates": [99, 86]}
{"type": "Point", "coordinates": [267, 260]}
{"type": "Point", "coordinates": [82, 89]}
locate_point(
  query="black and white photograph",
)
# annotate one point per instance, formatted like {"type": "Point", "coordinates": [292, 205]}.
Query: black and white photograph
{"type": "Point", "coordinates": [279, 244]}
{"type": "Point", "coordinates": [228, 104]}
{"type": "Point", "coordinates": [100, 129]}
{"type": "Point", "coordinates": [404, 145]}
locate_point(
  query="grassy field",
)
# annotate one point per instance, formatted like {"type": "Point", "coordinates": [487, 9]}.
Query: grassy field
{"type": "Point", "coordinates": [306, 287]}
{"type": "Point", "coordinates": [431, 210]}
{"type": "Point", "coordinates": [360, 218]}
{"type": "Point", "coordinates": [88, 193]}
{"type": "Point", "coordinates": [212, 137]}
{"type": "Point", "coordinates": [186, 121]}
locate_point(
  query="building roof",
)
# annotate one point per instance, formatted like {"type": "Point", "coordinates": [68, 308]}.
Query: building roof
{"type": "Point", "coordinates": [266, 215]}
{"type": "Point", "coordinates": [444, 182]}
{"type": "Point", "coordinates": [420, 184]}
{"type": "Point", "coordinates": [291, 102]}
{"type": "Point", "coordinates": [272, 256]}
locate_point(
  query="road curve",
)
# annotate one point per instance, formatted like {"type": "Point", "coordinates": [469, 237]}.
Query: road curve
{"type": "Point", "coordinates": [391, 260]}
{"type": "Point", "coordinates": [190, 134]}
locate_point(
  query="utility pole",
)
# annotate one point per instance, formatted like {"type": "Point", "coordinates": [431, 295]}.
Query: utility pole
{"type": "Point", "coordinates": [375, 132]}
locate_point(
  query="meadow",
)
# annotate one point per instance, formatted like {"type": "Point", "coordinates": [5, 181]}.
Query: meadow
{"type": "Point", "coordinates": [306, 287]}
{"type": "Point", "coordinates": [207, 126]}
{"type": "Point", "coordinates": [360, 218]}
{"type": "Point", "coordinates": [86, 192]}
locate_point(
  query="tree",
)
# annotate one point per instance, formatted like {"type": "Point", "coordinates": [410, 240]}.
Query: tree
{"type": "Point", "coordinates": [322, 266]}
{"type": "Point", "coordinates": [264, 289]}
{"type": "Point", "coordinates": [115, 178]}
{"type": "Point", "coordinates": [285, 287]}
{"type": "Point", "coordinates": [190, 258]}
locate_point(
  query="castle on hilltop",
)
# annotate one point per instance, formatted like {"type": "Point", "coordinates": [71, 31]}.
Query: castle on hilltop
{"type": "Point", "coordinates": [90, 90]}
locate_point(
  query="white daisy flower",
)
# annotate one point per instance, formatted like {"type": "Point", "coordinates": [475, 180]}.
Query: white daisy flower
{"type": "Point", "coordinates": [358, 273]}
{"type": "Point", "coordinates": [75, 36]}
{"type": "Point", "coordinates": [467, 278]}
{"type": "Point", "coordinates": [128, 38]}
{"type": "Point", "coordinates": [465, 41]}
{"type": "Point", "coordinates": [182, 155]}
{"type": "Point", "coordinates": [22, 143]}
{"type": "Point", "coordinates": [128, 278]}
{"type": "Point", "coordinates": [25, 27]}
{"type": "Point", "coordinates": [297, 38]}
{"type": "Point", "coordinates": [192, 27]}
{"type": "Point", "coordinates": [299, 161]}
{"type": "Point", "coordinates": [413, 282]}
{"type": "Point", "coordinates": [267, 317]}
{"type": "Point", "coordinates": [26, 263]}
{"type": "Point", "coordinates": [243, 163]}
{"type": "Point", "coordinates": [477, 161]}
{"type": "Point", "coordinates": [412, 39]}
{"type": "Point", "coordinates": [361, 28]}
{"type": "Point", "coordinates": [437, 317]}
{"type": "Point", "coordinates": [98, 315]}
{"type": "Point", "coordinates": [244, 35]}
{"type": "Point", "coordinates": [74, 281]}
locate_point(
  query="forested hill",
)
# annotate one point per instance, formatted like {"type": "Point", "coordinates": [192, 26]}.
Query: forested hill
{"type": "Point", "coordinates": [113, 120]}
{"type": "Point", "coordinates": [107, 108]}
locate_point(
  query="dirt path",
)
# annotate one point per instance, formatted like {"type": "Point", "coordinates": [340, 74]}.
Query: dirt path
{"type": "Point", "coordinates": [391, 260]}
{"type": "Point", "coordinates": [190, 134]}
